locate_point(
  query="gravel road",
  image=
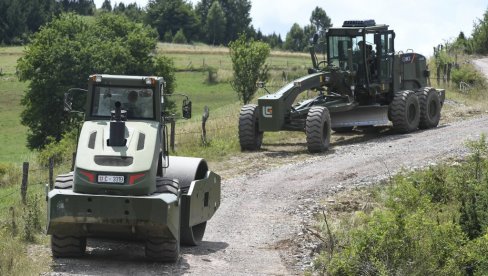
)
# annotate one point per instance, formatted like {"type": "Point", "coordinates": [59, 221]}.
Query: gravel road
{"type": "Point", "coordinates": [259, 228]}
{"type": "Point", "coordinates": [482, 65]}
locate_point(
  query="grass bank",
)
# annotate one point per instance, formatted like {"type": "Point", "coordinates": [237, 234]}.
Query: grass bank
{"type": "Point", "coordinates": [427, 222]}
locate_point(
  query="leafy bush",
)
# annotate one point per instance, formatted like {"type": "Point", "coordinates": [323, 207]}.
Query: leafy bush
{"type": "Point", "coordinates": [431, 222]}
{"type": "Point", "coordinates": [467, 74]}
{"type": "Point", "coordinates": [60, 151]}
{"type": "Point", "coordinates": [248, 62]}
{"type": "Point", "coordinates": [65, 52]}
{"type": "Point", "coordinates": [180, 37]}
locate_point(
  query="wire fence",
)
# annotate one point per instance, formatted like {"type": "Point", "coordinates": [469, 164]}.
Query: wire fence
{"type": "Point", "coordinates": [33, 177]}
{"type": "Point", "coordinates": [42, 175]}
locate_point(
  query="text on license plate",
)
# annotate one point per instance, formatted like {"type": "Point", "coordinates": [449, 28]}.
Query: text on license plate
{"type": "Point", "coordinates": [110, 179]}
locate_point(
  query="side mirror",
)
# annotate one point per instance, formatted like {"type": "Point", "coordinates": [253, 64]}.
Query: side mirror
{"type": "Point", "coordinates": [68, 102]}
{"type": "Point", "coordinates": [315, 39]}
{"type": "Point", "coordinates": [186, 109]}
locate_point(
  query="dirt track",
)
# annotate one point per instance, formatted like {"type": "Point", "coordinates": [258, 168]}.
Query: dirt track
{"type": "Point", "coordinates": [259, 228]}
{"type": "Point", "coordinates": [482, 64]}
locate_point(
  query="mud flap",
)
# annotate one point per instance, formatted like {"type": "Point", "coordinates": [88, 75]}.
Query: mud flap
{"type": "Point", "coordinates": [198, 206]}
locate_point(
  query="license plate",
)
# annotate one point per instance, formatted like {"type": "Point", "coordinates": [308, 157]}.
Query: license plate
{"type": "Point", "coordinates": [118, 179]}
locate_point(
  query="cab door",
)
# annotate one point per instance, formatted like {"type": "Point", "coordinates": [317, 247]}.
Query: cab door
{"type": "Point", "coordinates": [385, 58]}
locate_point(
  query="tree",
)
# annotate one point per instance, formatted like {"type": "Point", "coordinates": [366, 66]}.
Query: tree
{"type": "Point", "coordinates": [248, 63]}
{"type": "Point", "coordinates": [19, 18]}
{"type": "Point", "coordinates": [172, 15]}
{"type": "Point", "coordinates": [132, 11]}
{"type": "Point", "coordinates": [295, 38]}
{"type": "Point", "coordinates": [237, 10]}
{"type": "Point", "coordinates": [63, 54]}
{"type": "Point", "coordinates": [82, 7]}
{"type": "Point", "coordinates": [180, 37]}
{"type": "Point", "coordinates": [320, 20]}
{"type": "Point", "coordinates": [480, 35]}
{"type": "Point", "coordinates": [107, 5]}
{"type": "Point", "coordinates": [308, 32]}
{"type": "Point", "coordinates": [216, 22]}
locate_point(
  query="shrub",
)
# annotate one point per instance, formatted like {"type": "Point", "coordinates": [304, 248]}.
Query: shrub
{"type": "Point", "coordinates": [467, 74]}
{"type": "Point", "coordinates": [60, 151]}
{"type": "Point", "coordinates": [248, 62]}
{"type": "Point", "coordinates": [430, 222]}
{"type": "Point", "coordinates": [180, 37]}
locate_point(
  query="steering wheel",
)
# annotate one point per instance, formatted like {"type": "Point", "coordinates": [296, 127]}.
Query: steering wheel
{"type": "Point", "coordinates": [322, 62]}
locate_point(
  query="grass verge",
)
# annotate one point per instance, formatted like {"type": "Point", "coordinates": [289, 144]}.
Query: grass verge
{"type": "Point", "coordinates": [428, 222]}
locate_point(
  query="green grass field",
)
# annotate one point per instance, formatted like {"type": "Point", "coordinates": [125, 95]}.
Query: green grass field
{"type": "Point", "coordinates": [13, 134]}
{"type": "Point", "coordinates": [191, 63]}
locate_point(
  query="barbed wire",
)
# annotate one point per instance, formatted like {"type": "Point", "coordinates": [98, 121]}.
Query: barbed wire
{"type": "Point", "coordinates": [5, 196]}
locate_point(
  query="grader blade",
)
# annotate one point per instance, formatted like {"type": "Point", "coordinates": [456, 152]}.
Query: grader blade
{"type": "Point", "coordinates": [361, 116]}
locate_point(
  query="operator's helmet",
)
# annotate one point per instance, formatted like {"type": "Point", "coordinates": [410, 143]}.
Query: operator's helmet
{"type": "Point", "coordinates": [132, 97]}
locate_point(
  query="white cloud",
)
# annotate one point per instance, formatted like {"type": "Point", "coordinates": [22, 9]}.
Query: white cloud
{"type": "Point", "coordinates": [419, 24]}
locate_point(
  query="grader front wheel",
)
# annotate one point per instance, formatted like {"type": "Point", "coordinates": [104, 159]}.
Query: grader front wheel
{"type": "Point", "coordinates": [250, 137]}
{"type": "Point", "coordinates": [318, 129]}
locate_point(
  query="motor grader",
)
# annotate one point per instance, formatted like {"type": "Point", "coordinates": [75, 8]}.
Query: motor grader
{"type": "Point", "coordinates": [124, 184]}
{"type": "Point", "coordinates": [362, 82]}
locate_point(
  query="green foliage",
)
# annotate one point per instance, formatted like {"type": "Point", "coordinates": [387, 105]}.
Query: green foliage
{"type": "Point", "coordinates": [431, 222]}
{"type": "Point", "coordinates": [237, 13]}
{"type": "Point", "coordinates": [81, 7]}
{"type": "Point", "coordinates": [480, 35]}
{"type": "Point", "coordinates": [179, 37]}
{"type": "Point", "coordinates": [466, 73]}
{"type": "Point", "coordinates": [168, 36]}
{"type": "Point", "coordinates": [164, 66]}
{"type": "Point", "coordinates": [64, 53]}
{"type": "Point", "coordinates": [320, 20]}
{"type": "Point", "coordinates": [172, 15]}
{"type": "Point", "coordinates": [248, 58]}
{"type": "Point", "coordinates": [212, 75]}
{"type": "Point", "coordinates": [106, 5]}
{"type": "Point", "coordinates": [132, 11]}
{"type": "Point", "coordinates": [9, 174]}
{"type": "Point", "coordinates": [19, 18]}
{"type": "Point", "coordinates": [61, 151]}
{"type": "Point", "coordinates": [295, 38]}
{"type": "Point", "coordinates": [31, 220]}
{"type": "Point", "coordinates": [215, 24]}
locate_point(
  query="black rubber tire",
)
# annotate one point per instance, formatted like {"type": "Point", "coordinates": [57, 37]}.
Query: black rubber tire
{"type": "Point", "coordinates": [162, 249]}
{"type": "Point", "coordinates": [430, 107]}
{"type": "Point", "coordinates": [67, 246]}
{"type": "Point", "coordinates": [64, 181]}
{"type": "Point", "coordinates": [317, 129]}
{"type": "Point", "coordinates": [342, 129]}
{"type": "Point", "coordinates": [404, 111]}
{"type": "Point", "coordinates": [167, 185]}
{"type": "Point", "coordinates": [250, 138]}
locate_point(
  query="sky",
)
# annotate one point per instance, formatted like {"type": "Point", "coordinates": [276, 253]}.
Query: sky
{"type": "Point", "coordinates": [418, 24]}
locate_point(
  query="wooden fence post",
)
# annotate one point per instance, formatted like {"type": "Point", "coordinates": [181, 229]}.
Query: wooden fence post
{"type": "Point", "coordinates": [172, 135]}
{"type": "Point", "coordinates": [25, 178]}
{"type": "Point", "coordinates": [205, 115]}
{"type": "Point", "coordinates": [51, 173]}
{"type": "Point", "coordinates": [73, 158]}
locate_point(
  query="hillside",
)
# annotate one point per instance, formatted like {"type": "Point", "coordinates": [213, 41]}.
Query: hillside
{"type": "Point", "coordinates": [192, 63]}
